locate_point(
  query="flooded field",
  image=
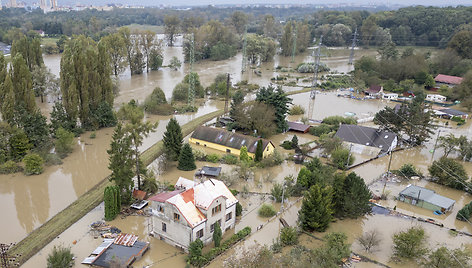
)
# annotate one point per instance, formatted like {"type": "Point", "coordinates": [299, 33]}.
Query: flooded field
{"type": "Point", "coordinates": [30, 201]}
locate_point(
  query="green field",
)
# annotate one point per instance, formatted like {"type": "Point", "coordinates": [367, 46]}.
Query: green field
{"type": "Point", "coordinates": [146, 27]}
{"type": "Point", "coordinates": [49, 40]}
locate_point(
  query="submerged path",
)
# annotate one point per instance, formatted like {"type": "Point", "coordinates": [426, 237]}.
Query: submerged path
{"type": "Point", "coordinates": [44, 234]}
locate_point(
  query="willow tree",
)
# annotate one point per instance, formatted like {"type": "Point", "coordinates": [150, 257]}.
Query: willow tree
{"type": "Point", "coordinates": [85, 80]}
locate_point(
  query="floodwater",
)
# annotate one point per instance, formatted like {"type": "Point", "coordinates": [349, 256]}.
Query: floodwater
{"type": "Point", "coordinates": [30, 201]}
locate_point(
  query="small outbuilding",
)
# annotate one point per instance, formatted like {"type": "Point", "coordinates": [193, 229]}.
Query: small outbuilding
{"type": "Point", "coordinates": [425, 198]}
{"type": "Point", "coordinates": [448, 80]}
{"type": "Point", "coordinates": [448, 112]}
{"type": "Point", "coordinates": [390, 96]}
{"type": "Point", "coordinates": [374, 91]}
{"type": "Point", "coordinates": [298, 127]}
{"type": "Point", "coordinates": [209, 171]}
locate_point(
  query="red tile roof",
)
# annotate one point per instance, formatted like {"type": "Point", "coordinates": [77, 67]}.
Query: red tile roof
{"type": "Point", "coordinates": [138, 194]}
{"type": "Point", "coordinates": [448, 79]}
{"type": "Point", "coordinates": [188, 196]}
{"type": "Point", "coordinates": [162, 197]}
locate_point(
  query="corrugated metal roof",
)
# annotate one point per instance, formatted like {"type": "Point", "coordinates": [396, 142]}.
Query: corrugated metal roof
{"type": "Point", "coordinates": [227, 138]}
{"type": "Point", "coordinates": [126, 239]}
{"type": "Point", "coordinates": [427, 195]}
{"type": "Point", "coordinates": [448, 79]}
{"type": "Point", "coordinates": [453, 112]}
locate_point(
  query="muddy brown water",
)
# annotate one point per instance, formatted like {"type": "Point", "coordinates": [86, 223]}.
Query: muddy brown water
{"type": "Point", "coordinates": [30, 201]}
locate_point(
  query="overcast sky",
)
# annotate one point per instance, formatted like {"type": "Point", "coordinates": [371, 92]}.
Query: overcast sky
{"type": "Point", "coordinates": [216, 2]}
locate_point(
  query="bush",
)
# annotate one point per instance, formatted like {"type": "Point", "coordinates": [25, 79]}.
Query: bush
{"type": "Point", "coordinates": [60, 257]}
{"type": "Point", "coordinates": [297, 110]}
{"type": "Point", "coordinates": [267, 211]}
{"type": "Point", "coordinates": [199, 155]}
{"type": "Point", "coordinates": [213, 158]}
{"type": "Point", "coordinates": [276, 192]}
{"type": "Point", "coordinates": [103, 116]}
{"type": "Point", "coordinates": [287, 145]}
{"type": "Point", "coordinates": [408, 171]}
{"type": "Point", "coordinates": [321, 129]}
{"type": "Point", "coordinates": [409, 244]}
{"type": "Point", "coordinates": [33, 164]}
{"type": "Point", "coordinates": [340, 157]}
{"type": "Point", "coordinates": [272, 160]}
{"type": "Point", "coordinates": [230, 159]}
{"type": "Point", "coordinates": [310, 67]}
{"type": "Point", "coordinates": [93, 135]}
{"type": "Point", "coordinates": [459, 120]}
{"type": "Point", "coordinates": [336, 120]}
{"type": "Point", "coordinates": [156, 103]}
{"type": "Point", "coordinates": [289, 236]}
{"type": "Point", "coordinates": [64, 142]}
{"type": "Point", "coordinates": [9, 167]}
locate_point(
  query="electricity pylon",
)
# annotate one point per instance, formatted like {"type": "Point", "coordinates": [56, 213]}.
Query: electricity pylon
{"type": "Point", "coordinates": [311, 104]}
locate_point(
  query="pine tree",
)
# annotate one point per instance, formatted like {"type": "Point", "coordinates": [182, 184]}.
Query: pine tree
{"type": "Point", "coordinates": [217, 234]}
{"type": "Point", "coordinates": [294, 141]}
{"type": "Point", "coordinates": [259, 151]}
{"type": "Point", "coordinates": [243, 156]}
{"type": "Point", "coordinates": [316, 212]}
{"type": "Point", "coordinates": [173, 139]}
{"type": "Point", "coordinates": [279, 100]}
{"type": "Point", "coordinates": [186, 159]}
{"type": "Point", "coordinates": [121, 162]}
{"type": "Point", "coordinates": [356, 196]}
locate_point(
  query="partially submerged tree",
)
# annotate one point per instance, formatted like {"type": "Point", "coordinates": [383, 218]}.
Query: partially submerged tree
{"type": "Point", "coordinates": [60, 257]}
{"type": "Point", "coordinates": [369, 240]}
{"type": "Point", "coordinates": [317, 209]}
{"type": "Point", "coordinates": [409, 244]}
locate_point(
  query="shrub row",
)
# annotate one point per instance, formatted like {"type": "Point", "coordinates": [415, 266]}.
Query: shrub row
{"type": "Point", "coordinates": [464, 213]}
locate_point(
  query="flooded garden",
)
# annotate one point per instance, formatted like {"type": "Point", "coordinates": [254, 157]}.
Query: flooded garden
{"type": "Point", "coordinates": [30, 201]}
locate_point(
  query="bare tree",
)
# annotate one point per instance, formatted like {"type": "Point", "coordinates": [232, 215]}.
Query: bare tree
{"type": "Point", "coordinates": [370, 240]}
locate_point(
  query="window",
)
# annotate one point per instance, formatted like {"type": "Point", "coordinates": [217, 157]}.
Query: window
{"type": "Point", "coordinates": [164, 227]}
{"type": "Point", "coordinates": [176, 217]}
{"type": "Point", "coordinates": [212, 227]}
{"type": "Point", "coordinates": [197, 143]}
{"type": "Point", "coordinates": [229, 216]}
{"type": "Point", "coordinates": [160, 208]}
{"type": "Point", "coordinates": [200, 234]}
{"type": "Point", "coordinates": [215, 210]}
{"type": "Point", "coordinates": [228, 150]}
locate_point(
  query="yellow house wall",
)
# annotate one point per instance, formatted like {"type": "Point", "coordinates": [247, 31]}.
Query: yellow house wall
{"type": "Point", "coordinates": [268, 151]}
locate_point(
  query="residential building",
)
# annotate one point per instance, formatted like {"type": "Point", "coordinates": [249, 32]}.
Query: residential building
{"type": "Point", "coordinates": [230, 142]}
{"type": "Point", "coordinates": [298, 127]}
{"type": "Point", "coordinates": [450, 113]}
{"type": "Point", "coordinates": [448, 80]}
{"type": "Point", "coordinates": [191, 212]}
{"type": "Point", "coordinates": [425, 198]}
{"type": "Point", "coordinates": [374, 91]}
{"type": "Point", "coordinates": [435, 98]}
{"type": "Point", "coordinates": [367, 140]}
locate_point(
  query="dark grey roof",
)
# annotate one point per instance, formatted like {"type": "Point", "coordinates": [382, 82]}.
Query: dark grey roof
{"type": "Point", "coordinates": [427, 195]}
{"type": "Point", "coordinates": [453, 112]}
{"type": "Point", "coordinates": [125, 254]}
{"type": "Point", "coordinates": [210, 171]}
{"type": "Point", "coordinates": [228, 139]}
{"type": "Point", "coordinates": [366, 136]}
{"type": "Point", "coordinates": [298, 126]}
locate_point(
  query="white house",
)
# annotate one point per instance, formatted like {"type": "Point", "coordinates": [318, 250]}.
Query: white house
{"type": "Point", "coordinates": [435, 98]}
{"type": "Point", "coordinates": [390, 96]}
{"type": "Point", "coordinates": [191, 211]}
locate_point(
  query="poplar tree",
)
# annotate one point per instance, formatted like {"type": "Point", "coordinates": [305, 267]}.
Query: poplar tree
{"type": "Point", "coordinates": [8, 101]}
{"type": "Point", "coordinates": [317, 209]}
{"type": "Point", "coordinates": [128, 45]}
{"type": "Point", "coordinates": [186, 159]}
{"type": "Point", "coordinates": [22, 84]}
{"type": "Point", "coordinates": [121, 162]}
{"type": "Point", "coordinates": [30, 48]}
{"type": "Point", "coordinates": [173, 139]}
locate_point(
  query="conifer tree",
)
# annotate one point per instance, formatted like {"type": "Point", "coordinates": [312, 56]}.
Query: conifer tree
{"type": "Point", "coordinates": [259, 151]}
{"type": "Point", "coordinates": [121, 162]}
{"type": "Point", "coordinates": [186, 159]}
{"type": "Point", "coordinates": [279, 100]}
{"type": "Point", "coordinates": [355, 196]}
{"type": "Point", "coordinates": [294, 141]}
{"type": "Point", "coordinates": [316, 212]}
{"type": "Point", "coordinates": [110, 206]}
{"type": "Point", "coordinates": [243, 156]}
{"type": "Point", "coordinates": [217, 234]}
{"type": "Point", "coordinates": [173, 139]}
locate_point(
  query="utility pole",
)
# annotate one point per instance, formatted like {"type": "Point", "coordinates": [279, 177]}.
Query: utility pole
{"type": "Point", "coordinates": [311, 104]}
{"type": "Point", "coordinates": [436, 143]}
{"type": "Point", "coordinates": [244, 59]}
{"type": "Point", "coordinates": [388, 172]}
{"type": "Point", "coordinates": [191, 87]}
{"type": "Point", "coordinates": [294, 48]}
{"type": "Point", "coordinates": [6, 260]}
{"type": "Point", "coordinates": [354, 40]}
{"type": "Point", "coordinates": [227, 94]}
